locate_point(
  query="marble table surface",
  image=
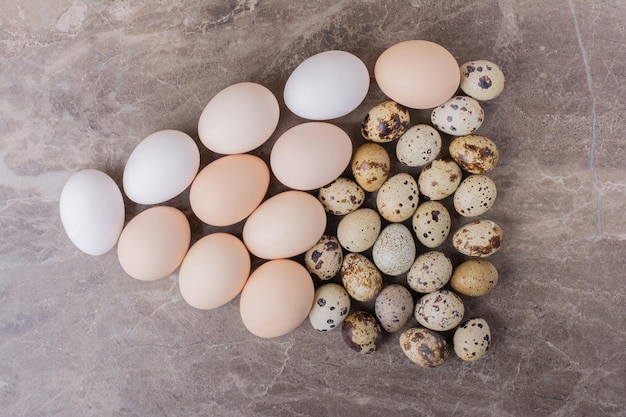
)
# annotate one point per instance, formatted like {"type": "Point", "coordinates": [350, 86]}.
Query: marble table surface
{"type": "Point", "coordinates": [83, 82]}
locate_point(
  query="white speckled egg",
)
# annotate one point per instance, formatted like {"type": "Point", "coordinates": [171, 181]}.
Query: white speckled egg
{"type": "Point", "coordinates": [357, 231]}
{"type": "Point", "coordinates": [439, 179]}
{"type": "Point", "coordinates": [474, 277]}
{"type": "Point", "coordinates": [398, 197]}
{"type": "Point", "coordinates": [458, 116]}
{"type": "Point", "coordinates": [481, 79]}
{"type": "Point", "coordinates": [394, 250]}
{"type": "Point", "coordinates": [394, 307]}
{"type": "Point", "coordinates": [475, 196]}
{"type": "Point", "coordinates": [431, 223]}
{"type": "Point", "coordinates": [361, 332]}
{"type": "Point", "coordinates": [480, 238]}
{"type": "Point", "coordinates": [341, 196]}
{"type": "Point", "coordinates": [419, 145]}
{"type": "Point", "coordinates": [472, 339]}
{"type": "Point", "coordinates": [360, 277]}
{"type": "Point", "coordinates": [424, 347]}
{"type": "Point", "coordinates": [439, 310]}
{"type": "Point", "coordinates": [385, 122]}
{"type": "Point", "coordinates": [330, 307]}
{"type": "Point", "coordinates": [370, 166]}
{"type": "Point", "coordinates": [324, 259]}
{"type": "Point", "coordinates": [474, 153]}
{"type": "Point", "coordinates": [430, 272]}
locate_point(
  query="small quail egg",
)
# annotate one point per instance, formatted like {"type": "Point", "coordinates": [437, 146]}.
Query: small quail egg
{"type": "Point", "coordinates": [398, 197]}
{"type": "Point", "coordinates": [324, 259]}
{"type": "Point", "coordinates": [475, 196]}
{"type": "Point", "coordinates": [360, 277]}
{"type": "Point", "coordinates": [341, 196]}
{"type": "Point", "coordinates": [394, 250]}
{"type": "Point", "coordinates": [439, 310]}
{"type": "Point", "coordinates": [439, 179]}
{"type": "Point", "coordinates": [370, 166]}
{"type": "Point", "coordinates": [481, 79]}
{"type": "Point", "coordinates": [419, 145]}
{"type": "Point", "coordinates": [357, 231]}
{"type": "Point", "coordinates": [474, 153]}
{"type": "Point", "coordinates": [424, 347]}
{"type": "Point", "coordinates": [474, 277]}
{"type": "Point", "coordinates": [472, 339]}
{"type": "Point", "coordinates": [480, 238]}
{"type": "Point", "coordinates": [385, 122]}
{"type": "Point", "coordinates": [430, 271]}
{"type": "Point", "coordinates": [330, 307]}
{"type": "Point", "coordinates": [431, 223]}
{"type": "Point", "coordinates": [361, 332]}
{"type": "Point", "coordinates": [458, 116]}
{"type": "Point", "coordinates": [394, 307]}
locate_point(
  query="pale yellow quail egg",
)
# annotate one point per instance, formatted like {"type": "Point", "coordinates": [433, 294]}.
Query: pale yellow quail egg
{"type": "Point", "coordinates": [472, 339]}
{"type": "Point", "coordinates": [360, 277]}
{"type": "Point", "coordinates": [474, 153]}
{"type": "Point", "coordinates": [481, 79]}
{"type": "Point", "coordinates": [370, 166]}
{"type": "Point", "coordinates": [424, 347]}
{"type": "Point", "coordinates": [361, 332]}
{"type": "Point", "coordinates": [431, 223]}
{"type": "Point", "coordinates": [385, 122]}
{"type": "Point", "coordinates": [458, 116]}
{"type": "Point", "coordinates": [394, 250]}
{"type": "Point", "coordinates": [439, 179]}
{"type": "Point", "coordinates": [430, 271]}
{"type": "Point", "coordinates": [324, 259]}
{"type": "Point", "coordinates": [475, 196]}
{"type": "Point", "coordinates": [398, 198]}
{"type": "Point", "coordinates": [474, 277]}
{"type": "Point", "coordinates": [341, 196]}
{"type": "Point", "coordinates": [419, 145]}
{"type": "Point", "coordinates": [440, 310]}
{"type": "Point", "coordinates": [357, 231]}
{"type": "Point", "coordinates": [394, 307]}
{"type": "Point", "coordinates": [480, 238]}
{"type": "Point", "coordinates": [331, 306]}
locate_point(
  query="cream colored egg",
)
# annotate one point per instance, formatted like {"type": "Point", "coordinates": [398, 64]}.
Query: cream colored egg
{"type": "Point", "coordinates": [424, 347]}
{"type": "Point", "coordinates": [360, 277]}
{"type": "Point", "coordinates": [370, 166]}
{"type": "Point", "coordinates": [419, 145]}
{"type": "Point", "coordinates": [458, 116]}
{"type": "Point", "coordinates": [361, 332]}
{"type": "Point", "coordinates": [324, 259]}
{"type": "Point", "coordinates": [474, 277]}
{"type": "Point", "coordinates": [431, 223]}
{"type": "Point", "coordinates": [481, 79]}
{"type": "Point", "coordinates": [475, 196]}
{"type": "Point", "coordinates": [440, 310]}
{"type": "Point", "coordinates": [357, 231]}
{"type": "Point", "coordinates": [398, 197]}
{"type": "Point", "coordinates": [430, 272]}
{"type": "Point", "coordinates": [394, 307]}
{"type": "Point", "coordinates": [341, 196]}
{"type": "Point", "coordinates": [331, 305]}
{"type": "Point", "coordinates": [472, 339]}
{"type": "Point", "coordinates": [394, 251]}
{"type": "Point", "coordinates": [480, 238]}
{"type": "Point", "coordinates": [474, 153]}
{"type": "Point", "coordinates": [385, 122]}
{"type": "Point", "coordinates": [439, 179]}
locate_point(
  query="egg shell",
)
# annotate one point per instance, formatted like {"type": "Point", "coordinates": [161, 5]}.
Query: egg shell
{"type": "Point", "coordinates": [324, 259]}
{"type": "Point", "coordinates": [276, 299]}
{"type": "Point", "coordinates": [385, 122]}
{"type": "Point", "coordinates": [229, 189]}
{"type": "Point", "coordinates": [360, 277]}
{"type": "Point", "coordinates": [430, 272]}
{"type": "Point", "coordinates": [357, 231]}
{"type": "Point", "coordinates": [439, 310]}
{"type": "Point", "coordinates": [458, 116]}
{"type": "Point", "coordinates": [424, 347]}
{"type": "Point", "coordinates": [394, 250]}
{"type": "Point", "coordinates": [214, 271]}
{"type": "Point", "coordinates": [394, 307]}
{"type": "Point", "coordinates": [417, 73]}
{"type": "Point", "coordinates": [474, 153]}
{"type": "Point", "coordinates": [221, 128]}
{"type": "Point", "coordinates": [361, 332]}
{"type": "Point", "coordinates": [472, 339]}
{"type": "Point", "coordinates": [419, 145]}
{"type": "Point", "coordinates": [161, 167]}
{"type": "Point", "coordinates": [154, 243]}
{"type": "Point", "coordinates": [370, 166]}
{"type": "Point", "coordinates": [439, 179]}
{"type": "Point", "coordinates": [475, 195]}
{"type": "Point", "coordinates": [481, 79]}
{"type": "Point", "coordinates": [327, 85]}
{"type": "Point", "coordinates": [398, 197]}
{"type": "Point", "coordinates": [431, 223]}
{"type": "Point", "coordinates": [285, 225]}
{"type": "Point", "coordinates": [331, 305]}
{"type": "Point", "coordinates": [91, 207]}
{"type": "Point", "coordinates": [474, 277]}
{"type": "Point", "coordinates": [341, 196]}
{"type": "Point", "coordinates": [480, 238]}
{"type": "Point", "coordinates": [310, 155]}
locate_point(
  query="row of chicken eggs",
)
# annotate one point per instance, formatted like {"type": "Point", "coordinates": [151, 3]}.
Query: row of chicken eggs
{"type": "Point", "coordinates": [232, 188]}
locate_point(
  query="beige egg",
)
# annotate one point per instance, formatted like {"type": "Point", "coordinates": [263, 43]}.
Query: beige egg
{"type": "Point", "coordinates": [430, 271]}
{"type": "Point", "coordinates": [324, 259]}
{"type": "Point", "coordinates": [440, 310]}
{"type": "Point", "coordinates": [475, 196]}
{"type": "Point", "coordinates": [370, 166]}
{"type": "Point", "coordinates": [394, 251]}
{"type": "Point", "coordinates": [472, 339]}
{"type": "Point", "coordinates": [385, 122]}
{"type": "Point", "coordinates": [424, 347]}
{"type": "Point", "coordinates": [481, 79]}
{"type": "Point", "coordinates": [331, 305]}
{"type": "Point", "coordinates": [361, 332]}
{"type": "Point", "coordinates": [474, 153]}
{"type": "Point", "coordinates": [480, 238]}
{"type": "Point", "coordinates": [439, 179]}
{"type": "Point", "coordinates": [394, 307]}
{"type": "Point", "coordinates": [398, 197]}
{"type": "Point", "coordinates": [431, 223]}
{"type": "Point", "coordinates": [474, 277]}
{"type": "Point", "coordinates": [357, 231]}
{"type": "Point", "coordinates": [341, 196]}
{"type": "Point", "coordinates": [360, 277]}
{"type": "Point", "coordinates": [458, 116]}
{"type": "Point", "coordinates": [419, 145]}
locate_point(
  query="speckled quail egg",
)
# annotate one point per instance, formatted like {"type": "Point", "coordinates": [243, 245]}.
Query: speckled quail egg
{"type": "Point", "coordinates": [324, 259]}
{"type": "Point", "coordinates": [474, 277]}
{"type": "Point", "coordinates": [481, 79]}
{"type": "Point", "coordinates": [419, 145]}
{"type": "Point", "coordinates": [394, 307]}
{"type": "Point", "coordinates": [472, 339]}
{"type": "Point", "coordinates": [458, 116]}
{"type": "Point", "coordinates": [385, 122]}
{"type": "Point", "coordinates": [341, 196]}
{"type": "Point", "coordinates": [439, 179]}
{"type": "Point", "coordinates": [361, 332]}
{"type": "Point", "coordinates": [398, 197]}
{"type": "Point", "coordinates": [431, 223]}
{"type": "Point", "coordinates": [360, 277]}
{"type": "Point", "coordinates": [357, 231]}
{"type": "Point", "coordinates": [430, 271]}
{"type": "Point", "coordinates": [370, 166]}
{"type": "Point", "coordinates": [424, 347]}
{"type": "Point", "coordinates": [480, 238]}
{"type": "Point", "coordinates": [330, 307]}
{"type": "Point", "coordinates": [394, 251]}
{"type": "Point", "coordinates": [475, 196]}
{"type": "Point", "coordinates": [440, 310]}
{"type": "Point", "coordinates": [474, 153]}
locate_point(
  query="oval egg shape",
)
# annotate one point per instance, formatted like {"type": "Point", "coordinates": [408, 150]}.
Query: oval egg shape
{"type": "Point", "coordinates": [91, 207]}
{"type": "Point", "coordinates": [398, 197]}
{"type": "Point", "coordinates": [357, 231]}
{"type": "Point", "coordinates": [431, 223]}
{"type": "Point", "coordinates": [480, 238]}
{"type": "Point", "coordinates": [475, 196]}
{"type": "Point", "coordinates": [370, 166]}
{"type": "Point", "coordinates": [394, 251]}
{"type": "Point", "coordinates": [474, 153]}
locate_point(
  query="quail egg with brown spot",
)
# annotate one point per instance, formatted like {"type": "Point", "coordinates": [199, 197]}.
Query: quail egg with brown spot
{"type": "Point", "coordinates": [472, 339]}
{"type": "Point", "coordinates": [394, 250]}
{"type": "Point", "coordinates": [398, 198]}
{"type": "Point", "coordinates": [474, 277]}
{"type": "Point", "coordinates": [385, 122]}
{"type": "Point", "coordinates": [418, 146]}
{"type": "Point", "coordinates": [394, 307]}
{"type": "Point", "coordinates": [331, 306]}
{"type": "Point", "coordinates": [424, 347]}
{"type": "Point", "coordinates": [480, 238]}
{"type": "Point", "coordinates": [360, 277]}
{"type": "Point", "coordinates": [431, 223]}
{"type": "Point", "coordinates": [440, 310]}
{"type": "Point", "coordinates": [357, 231]}
{"type": "Point", "coordinates": [439, 179]}
{"type": "Point", "coordinates": [341, 196]}
{"type": "Point", "coordinates": [430, 271]}
{"type": "Point", "coordinates": [370, 166]}
{"type": "Point", "coordinates": [481, 79]}
{"type": "Point", "coordinates": [324, 259]}
{"type": "Point", "coordinates": [361, 332]}
{"type": "Point", "coordinates": [461, 115]}
{"type": "Point", "coordinates": [475, 154]}
{"type": "Point", "coordinates": [475, 196]}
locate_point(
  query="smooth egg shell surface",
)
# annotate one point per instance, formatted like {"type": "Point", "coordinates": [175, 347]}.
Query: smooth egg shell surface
{"type": "Point", "coordinates": [394, 307]}
{"type": "Point", "coordinates": [341, 196]}
{"type": "Point", "coordinates": [480, 238]}
{"type": "Point", "coordinates": [394, 250]}
{"type": "Point", "coordinates": [424, 347]}
{"type": "Point", "coordinates": [439, 179]}
{"type": "Point", "coordinates": [360, 277]}
{"type": "Point", "coordinates": [277, 298]}
{"type": "Point", "coordinates": [458, 116]}
{"type": "Point", "coordinates": [229, 189]}
{"type": "Point", "coordinates": [431, 223]}
{"type": "Point", "coordinates": [474, 277]}
{"type": "Point", "coordinates": [472, 339]}
{"type": "Point", "coordinates": [214, 271]}
{"type": "Point", "coordinates": [474, 153]}
{"type": "Point", "coordinates": [482, 80]}
{"type": "Point", "coordinates": [331, 305]}
{"type": "Point", "coordinates": [475, 196]}
{"type": "Point", "coordinates": [440, 310]}
{"type": "Point", "coordinates": [370, 166]}
{"type": "Point", "coordinates": [430, 271]}
{"type": "Point", "coordinates": [324, 259]}
{"type": "Point", "coordinates": [385, 122]}
{"type": "Point", "coordinates": [419, 145]}
{"type": "Point", "coordinates": [357, 231]}
{"type": "Point", "coordinates": [361, 332]}
{"type": "Point", "coordinates": [398, 197]}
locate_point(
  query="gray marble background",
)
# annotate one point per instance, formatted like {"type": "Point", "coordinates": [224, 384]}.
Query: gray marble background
{"type": "Point", "coordinates": [82, 82]}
